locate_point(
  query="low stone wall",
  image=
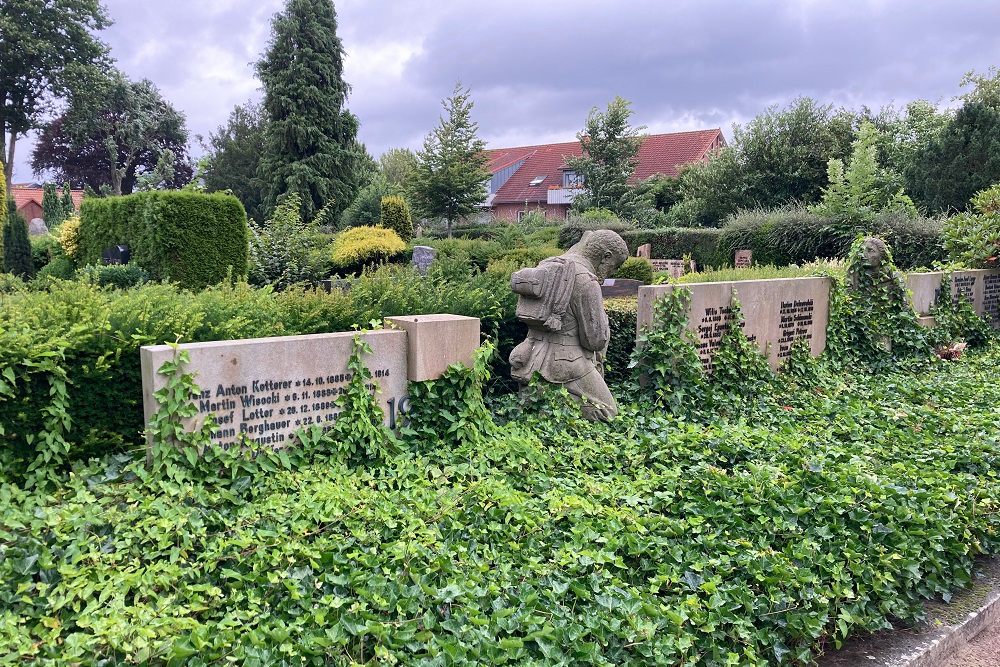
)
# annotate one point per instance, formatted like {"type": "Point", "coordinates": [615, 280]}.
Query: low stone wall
{"type": "Point", "coordinates": [776, 313]}
{"type": "Point", "coordinates": [980, 286]}
{"type": "Point", "coordinates": [264, 389]}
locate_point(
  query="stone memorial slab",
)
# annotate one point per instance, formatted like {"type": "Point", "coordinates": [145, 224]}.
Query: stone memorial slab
{"type": "Point", "coordinates": [116, 254]}
{"type": "Point", "coordinates": [776, 313]}
{"type": "Point", "coordinates": [675, 267]}
{"type": "Point", "coordinates": [423, 257]}
{"type": "Point", "coordinates": [981, 287]}
{"type": "Point", "coordinates": [744, 258]}
{"type": "Point", "coordinates": [264, 389]}
{"type": "Point", "coordinates": [435, 342]}
{"type": "Point", "coordinates": [618, 287]}
{"type": "Point", "coordinates": [645, 250]}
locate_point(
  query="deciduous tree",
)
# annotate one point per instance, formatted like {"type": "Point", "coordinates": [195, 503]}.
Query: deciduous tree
{"type": "Point", "coordinates": [39, 43]}
{"type": "Point", "coordinates": [449, 182]}
{"type": "Point", "coordinates": [233, 155]}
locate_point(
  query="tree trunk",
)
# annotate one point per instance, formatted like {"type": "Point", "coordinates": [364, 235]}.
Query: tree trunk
{"type": "Point", "coordinates": [8, 168]}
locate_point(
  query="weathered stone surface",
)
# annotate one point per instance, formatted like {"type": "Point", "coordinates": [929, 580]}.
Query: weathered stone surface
{"type": "Point", "coordinates": [645, 250]}
{"type": "Point", "coordinates": [423, 257]}
{"type": "Point", "coordinates": [436, 342]}
{"type": "Point", "coordinates": [37, 227]}
{"type": "Point", "coordinates": [980, 286]}
{"type": "Point", "coordinates": [675, 267]}
{"type": "Point", "coordinates": [618, 287]}
{"type": "Point", "coordinates": [776, 312]}
{"type": "Point", "coordinates": [744, 258]}
{"type": "Point", "coordinates": [560, 300]}
{"type": "Point", "coordinates": [266, 388]}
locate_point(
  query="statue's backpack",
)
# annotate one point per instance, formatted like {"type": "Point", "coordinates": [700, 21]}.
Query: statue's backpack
{"type": "Point", "coordinates": [543, 293]}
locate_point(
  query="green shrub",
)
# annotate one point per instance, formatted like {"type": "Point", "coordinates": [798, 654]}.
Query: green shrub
{"type": "Point", "coordinates": [359, 247]}
{"type": "Point", "coordinates": [44, 249]}
{"type": "Point", "coordinates": [622, 321]}
{"type": "Point", "coordinates": [61, 267]}
{"type": "Point", "coordinates": [477, 251]}
{"type": "Point", "coordinates": [795, 236]}
{"type": "Point", "coordinates": [764, 272]}
{"type": "Point", "coordinates": [678, 242]}
{"type": "Point", "coordinates": [190, 238]}
{"type": "Point", "coordinates": [16, 244]}
{"type": "Point", "coordinates": [119, 276]}
{"type": "Point", "coordinates": [285, 251]}
{"type": "Point", "coordinates": [571, 232]}
{"type": "Point", "coordinates": [366, 209]}
{"type": "Point", "coordinates": [395, 215]}
{"type": "Point", "coordinates": [523, 257]}
{"type": "Point", "coordinates": [636, 268]}
{"type": "Point", "coordinates": [973, 239]}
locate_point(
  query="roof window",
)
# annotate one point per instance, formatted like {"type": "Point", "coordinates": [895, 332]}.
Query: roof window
{"type": "Point", "coordinates": [537, 180]}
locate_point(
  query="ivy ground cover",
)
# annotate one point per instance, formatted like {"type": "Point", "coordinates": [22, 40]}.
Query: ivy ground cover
{"type": "Point", "coordinates": [762, 539]}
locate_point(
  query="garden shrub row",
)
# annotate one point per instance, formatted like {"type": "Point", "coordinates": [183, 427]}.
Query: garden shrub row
{"type": "Point", "coordinates": [796, 236]}
{"type": "Point", "coordinates": [95, 334]}
{"type": "Point", "coordinates": [190, 238]}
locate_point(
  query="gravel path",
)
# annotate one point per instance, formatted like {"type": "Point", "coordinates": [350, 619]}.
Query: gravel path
{"type": "Point", "coordinates": [983, 651]}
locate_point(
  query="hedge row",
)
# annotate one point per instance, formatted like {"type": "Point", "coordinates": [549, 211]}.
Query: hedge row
{"type": "Point", "coordinates": [190, 238]}
{"type": "Point", "coordinates": [795, 236]}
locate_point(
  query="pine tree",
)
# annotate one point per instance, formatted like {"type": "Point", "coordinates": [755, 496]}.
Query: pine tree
{"type": "Point", "coordinates": [3, 202]}
{"type": "Point", "coordinates": [52, 210]}
{"type": "Point", "coordinates": [311, 145]}
{"type": "Point", "coordinates": [69, 210]}
{"type": "Point", "coordinates": [16, 246]}
{"type": "Point", "coordinates": [450, 178]}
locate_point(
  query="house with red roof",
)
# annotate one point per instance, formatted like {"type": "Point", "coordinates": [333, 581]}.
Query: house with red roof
{"type": "Point", "coordinates": [537, 178]}
{"type": "Point", "coordinates": [28, 198]}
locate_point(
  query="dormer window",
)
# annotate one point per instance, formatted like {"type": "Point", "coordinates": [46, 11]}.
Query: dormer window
{"type": "Point", "coordinates": [537, 180]}
{"type": "Point", "coordinates": [571, 179]}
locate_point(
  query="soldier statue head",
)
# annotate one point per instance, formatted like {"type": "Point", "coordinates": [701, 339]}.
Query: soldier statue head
{"type": "Point", "coordinates": [561, 302]}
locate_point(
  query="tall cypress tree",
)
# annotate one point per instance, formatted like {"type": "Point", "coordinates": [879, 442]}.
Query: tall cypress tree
{"type": "Point", "coordinates": [311, 144]}
{"type": "Point", "coordinates": [69, 210]}
{"type": "Point", "coordinates": [16, 245]}
{"type": "Point", "coordinates": [52, 210]}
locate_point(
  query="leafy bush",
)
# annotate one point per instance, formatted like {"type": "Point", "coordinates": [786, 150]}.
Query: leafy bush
{"type": "Point", "coordinates": [622, 322]}
{"type": "Point", "coordinates": [69, 238]}
{"type": "Point", "coordinates": [973, 239]}
{"type": "Point", "coordinates": [60, 267]}
{"type": "Point", "coordinates": [190, 238]}
{"type": "Point", "coordinates": [285, 250]}
{"type": "Point", "coordinates": [395, 215]}
{"type": "Point", "coordinates": [795, 236]}
{"type": "Point", "coordinates": [477, 251]}
{"type": "Point", "coordinates": [366, 209]}
{"type": "Point", "coordinates": [636, 268]}
{"type": "Point", "coordinates": [119, 276]}
{"type": "Point", "coordinates": [523, 257]}
{"type": "Point", "coordinates": [44, 249]}
{"type": "Point", "coordinates": [677, 242]}
{"type": "Point", "coordinates": [16, 244]}
{"type": "Point", "coordinates": [364, 246]}
{"type": "Point", "coordinates": [572, 231]}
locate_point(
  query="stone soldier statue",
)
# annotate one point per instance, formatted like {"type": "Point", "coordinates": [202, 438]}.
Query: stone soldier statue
{"type": "Point", "coordinates": [560, 301]}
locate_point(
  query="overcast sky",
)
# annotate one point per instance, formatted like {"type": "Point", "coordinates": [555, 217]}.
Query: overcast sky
{"type": "Point", "coordinates": [536, 67]}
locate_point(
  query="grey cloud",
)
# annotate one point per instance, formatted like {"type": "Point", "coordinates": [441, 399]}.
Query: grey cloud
{"type": "Point", "coordinates": [536, 68]}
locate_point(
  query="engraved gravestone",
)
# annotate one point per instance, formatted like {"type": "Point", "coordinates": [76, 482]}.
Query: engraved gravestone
{"type": "Point", "coordinates": [423, 257]}
{"type": "Point", "coordinates": [37, 227]}
{"type": "Point", "coordinates": [116, 254]}
{"type": "Point", "coordinates": [744, 258]}
{"type": "Point", "coordinates": [645, 251]}
{"type": "Point", "coordinates": [265, 389]}
{"type": "Point", "coordinates": [675, 267]}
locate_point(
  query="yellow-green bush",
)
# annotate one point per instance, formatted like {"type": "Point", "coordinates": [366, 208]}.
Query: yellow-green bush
{"type": "Point", "coordinates": [636, 268]}
{"type": "Point", "coordinates": [395, 215]}
{"type": "Point", "coordinates": [69, 238]}
{"type": "Point", "coordinates": [360, 246]}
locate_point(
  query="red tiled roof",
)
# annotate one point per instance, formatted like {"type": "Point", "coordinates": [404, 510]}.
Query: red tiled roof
{"type": "Point", "coordinates": [23, 195]}
{"type": "Point", "coordinates": [659, 154]}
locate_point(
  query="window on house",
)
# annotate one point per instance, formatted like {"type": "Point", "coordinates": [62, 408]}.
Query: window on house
{"type": "Point", "coordinates": [571, 179]}
{"type": "Point", "coordinates": [537, 180]}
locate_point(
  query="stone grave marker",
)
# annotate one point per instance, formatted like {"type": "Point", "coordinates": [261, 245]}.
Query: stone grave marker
{"type": "Point", "coordinates": [744, 258]}
{"type": "Point", "coordinates": [675, 267]}
{"type": "Point", "coordinates": [645, 250]}
{"type": "Point", "coordinates": [617, 287]}
{"type": "Point", "coordinates": [37, 227]}
{"type": "Point", "coordinates": [264, 389]}
{"type": "Point", "coordinates": [116, 254]}
{"type": "Point", "coordinates": [776, 313]}
{"type": "Point", "coordinates": [981, 287]}
{"type": "Point", "coordinates": [423, 257]}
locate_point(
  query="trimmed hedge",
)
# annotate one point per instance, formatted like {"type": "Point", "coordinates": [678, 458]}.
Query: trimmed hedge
{"type": "Point", "coordinates": [190, 238]}
{"type": "Point", "coordinates": [795, 236]}
{"type": "Point", "coordinates": [702, 244]}
{"type": "Point", "coordinates": [621, 319]}
{"type": "Point", "coordinates": [636, 268]}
